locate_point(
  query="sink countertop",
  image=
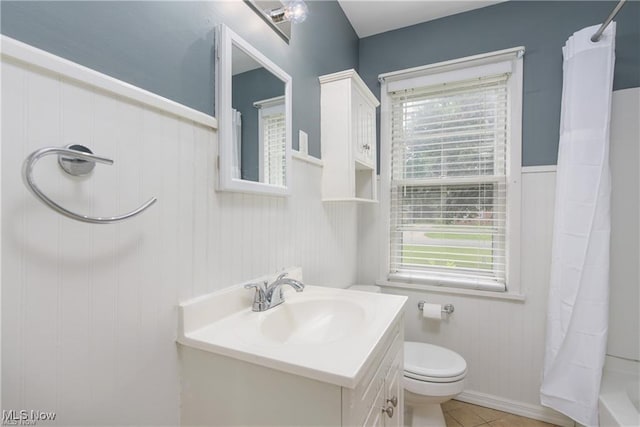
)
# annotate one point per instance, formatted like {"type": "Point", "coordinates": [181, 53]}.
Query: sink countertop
{"type": "Point", "coordinates": [223, 323]}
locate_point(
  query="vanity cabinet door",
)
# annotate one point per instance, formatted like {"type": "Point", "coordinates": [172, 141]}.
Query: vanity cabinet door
{"type": "Point", "coordinates": [375, 417]}
{"type": "Point", "coordinates": [394, 393]}
{"type": "Point", "coordinates": [366, 404]}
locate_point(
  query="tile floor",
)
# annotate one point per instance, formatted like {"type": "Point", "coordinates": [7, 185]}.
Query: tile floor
{"type": "Point", "coordinates": [460, 414]}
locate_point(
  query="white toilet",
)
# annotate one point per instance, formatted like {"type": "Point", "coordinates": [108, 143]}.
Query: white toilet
{"type": "Point", "coordinates": [432, 375]}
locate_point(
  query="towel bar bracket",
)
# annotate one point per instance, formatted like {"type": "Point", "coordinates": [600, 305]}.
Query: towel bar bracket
{"type": "Point", "coordinates": [75, 166]}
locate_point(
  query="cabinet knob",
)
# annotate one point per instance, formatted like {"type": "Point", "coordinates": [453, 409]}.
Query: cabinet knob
{"type": "Point", "coordinates": [393, 401]}
{"type": "Point", "coordinates": [389, 411]}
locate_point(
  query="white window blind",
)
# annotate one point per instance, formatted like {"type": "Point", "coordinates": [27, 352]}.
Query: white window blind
{"type": "Point", "coordinates": [448, 203]}
{"type": "Point", "coordinates": [274, 138]}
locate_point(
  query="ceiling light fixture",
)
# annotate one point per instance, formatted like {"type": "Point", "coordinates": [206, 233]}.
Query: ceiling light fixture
{"type": "Point", "coordinates": [294, 11]}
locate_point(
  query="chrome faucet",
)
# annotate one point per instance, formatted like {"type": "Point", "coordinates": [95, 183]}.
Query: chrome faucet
{"type": "Point", "coordinates": [268, 296]}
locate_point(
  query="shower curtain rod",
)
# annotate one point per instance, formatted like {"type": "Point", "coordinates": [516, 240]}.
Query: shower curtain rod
{"type": "Point", "coordinates": [605, 24]}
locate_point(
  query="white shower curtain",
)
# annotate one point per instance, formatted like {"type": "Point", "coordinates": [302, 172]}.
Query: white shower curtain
{"type": "Point", "coordinates": [579, 289]}
{"type": "Point", "coordinates": [236, 123]}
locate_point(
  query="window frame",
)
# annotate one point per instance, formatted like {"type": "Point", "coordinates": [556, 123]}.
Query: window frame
{"type": "Point", "coordinates": [508, 60]}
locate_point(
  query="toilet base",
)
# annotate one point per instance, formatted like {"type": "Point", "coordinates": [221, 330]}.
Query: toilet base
{"type": "Point", "coordinates": [429, 415]}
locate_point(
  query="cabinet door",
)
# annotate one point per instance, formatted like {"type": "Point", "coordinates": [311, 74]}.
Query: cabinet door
{"type": "Point", "coordinates": [364, 129]}
{"type": "Point", "coordinates": [395, 393]}
{"type": "Point", "coordinates": [375, 417]}
{"type": "Point", "coordinates": [369, 137]}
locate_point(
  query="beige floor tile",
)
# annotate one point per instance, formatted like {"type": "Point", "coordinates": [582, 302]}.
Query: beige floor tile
{"type": "Point", "coordinates": [452, 404]}
{"type": "Point", "coordinates": [516, 421]}
{"type": "Point", "coordinates": [508, 421]}
{"type": "Point", "coordinates": [450, 421]}
{"type": "Point", "coordinates": [528, 422]}
{"type": "Point", "coordinates": [488, 414]}
{"type": "Point", "coordinates": [466, 417]}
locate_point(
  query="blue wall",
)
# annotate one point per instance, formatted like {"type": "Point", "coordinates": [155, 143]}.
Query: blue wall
{"type": "Point", "coordinates": [541, 26]}
{"type": "Point", "coordinates": [165, 47]}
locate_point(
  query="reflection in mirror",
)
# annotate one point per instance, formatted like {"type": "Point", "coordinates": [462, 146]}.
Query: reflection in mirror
{"type": "Point", "coordinates": [272, 140]}
{"type": "Point", "coordinates": [258, 121]}
{"type": "Point", "coordinates": [253, 108]}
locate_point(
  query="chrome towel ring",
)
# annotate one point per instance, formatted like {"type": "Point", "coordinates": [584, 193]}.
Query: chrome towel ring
{"type": "Point", "coordinates": [75, 160]}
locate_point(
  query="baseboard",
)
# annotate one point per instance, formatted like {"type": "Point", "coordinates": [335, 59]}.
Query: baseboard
{"type": "Point", "coordinates": [537, 412]}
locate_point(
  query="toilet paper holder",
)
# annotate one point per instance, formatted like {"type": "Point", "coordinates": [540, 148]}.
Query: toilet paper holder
{"type": "Point", "coordinates": [447, 308]}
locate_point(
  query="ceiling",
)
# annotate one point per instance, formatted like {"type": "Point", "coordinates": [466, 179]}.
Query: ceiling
{"type": "Point", "coordinates": [242, 62]}
{"type": "Point", "coordinates": [377, 16]}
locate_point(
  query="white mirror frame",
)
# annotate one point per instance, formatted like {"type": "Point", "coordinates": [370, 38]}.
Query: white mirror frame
{"type": "Point", "coordinates": [225, 40]}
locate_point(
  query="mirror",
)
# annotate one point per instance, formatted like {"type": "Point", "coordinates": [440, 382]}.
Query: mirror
{"type": "Point", "coordinates": [253, 107]}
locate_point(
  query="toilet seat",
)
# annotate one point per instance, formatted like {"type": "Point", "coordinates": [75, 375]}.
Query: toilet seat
{"type": "Point", "coordinates": [431, 363]}
{"type": "Point", "coordinates": [434, 379]}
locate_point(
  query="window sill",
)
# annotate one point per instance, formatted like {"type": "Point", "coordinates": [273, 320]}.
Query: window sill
{"type": "Point", "coordinates": [508, 296]}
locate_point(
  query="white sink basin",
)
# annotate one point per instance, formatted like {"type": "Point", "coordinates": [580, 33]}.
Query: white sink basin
{"type": "Point", "coordinates": [313, 322]}
{"type": "Point", "coordinates": [322, 333]}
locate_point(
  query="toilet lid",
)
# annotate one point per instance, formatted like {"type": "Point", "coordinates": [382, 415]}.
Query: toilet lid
{"type": "Point", "coordinates": [431, 361]}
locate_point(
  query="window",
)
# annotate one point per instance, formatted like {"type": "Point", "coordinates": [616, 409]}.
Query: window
{"type": "Point", "coordinates": [272, 143]}
{"type": "Point", "coordinates": [454, 156]}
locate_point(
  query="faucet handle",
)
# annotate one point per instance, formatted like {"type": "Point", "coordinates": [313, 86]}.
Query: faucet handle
{"type": "Point", "coordinates": [260, 287]}
{"type": "Point", "coordinates": [260, 297]}
{"type": "Point", "coordinates": [254, 285]}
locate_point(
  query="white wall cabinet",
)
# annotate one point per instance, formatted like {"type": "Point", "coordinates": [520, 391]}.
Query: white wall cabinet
{"type": "Point", "coordinates": [348, 137]}
{"type": "Point", "coordinates": [220, 390]}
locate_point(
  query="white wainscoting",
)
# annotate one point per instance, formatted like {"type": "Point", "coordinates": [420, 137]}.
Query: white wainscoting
{"type": "Point", "coordinates": [89, 312]}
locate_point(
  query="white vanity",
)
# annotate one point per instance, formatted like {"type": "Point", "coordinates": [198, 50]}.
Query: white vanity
{"type": "Point", "coordinates": [325, 356]}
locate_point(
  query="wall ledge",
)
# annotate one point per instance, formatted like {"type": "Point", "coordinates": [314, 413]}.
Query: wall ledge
{"type": "Point", "coordinates": [539, 169]}
{"type": "Point", "coordinates": [307, 158]}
